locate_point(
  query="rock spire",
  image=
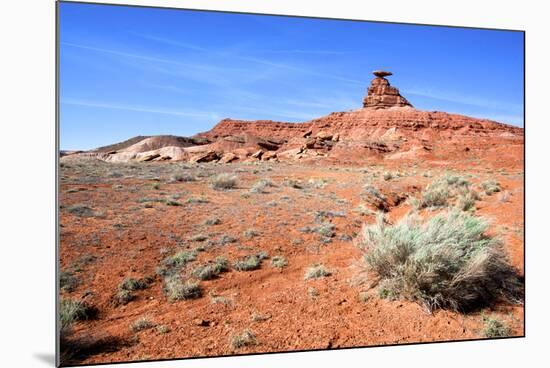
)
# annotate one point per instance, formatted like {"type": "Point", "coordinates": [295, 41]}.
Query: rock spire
{"type": "Point", "coordinates": [381, 95]}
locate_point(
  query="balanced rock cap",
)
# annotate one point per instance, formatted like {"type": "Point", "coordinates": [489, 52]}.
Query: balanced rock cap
{"type": "Point", "coordinates": [382, 73]}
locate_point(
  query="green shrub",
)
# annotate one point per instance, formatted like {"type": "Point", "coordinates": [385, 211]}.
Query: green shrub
{"type": "Point", "coordinates": [446, 262]}
{"type": "Point", "coordinates": [246, 338]}
{"type": "Point", "coordinates": [67, 281]}
{"type": "Point", "coordinates": [279, 262]}
{"type": "Point", "coordinates": [467, 200]}
{"type": "Point", "coordinates": [261, 185]}
{"type": "Point", "coordinates": [211, 270]}
{"type": "Point", "coordinates": [223, 181]}
{"type": "Point", "coordinates": [490, 187]}
{"type": "Point", "coordinates": [123, 297]}
{"type": "Point", "coordinates": [172, 264]}
{"type": "Point", "coordinates": [442, 190]}
{"type": "Point", "coordinates": [181, 258]}
{"type": "Point", "coordinates": [493, 327]}
{"type": "Point", "coordinates": [197, 200]}
{"type": "Point", "coordinates": [249, 263]}
{"type": "Point", "coordinates": [316, 271]}
{"type": "Point", "coordinates": [226, 239]}
{"type": "Point", "coordinates": [71, 311]}
{"type": "Point", "coordinates": [132, 284]}
{"type": "Point", "coordinates": [81, 210]}
{"type": "Point", "coordinates": [293, 183]}
{"type": "Point", "coordinates": [176, 289]}
{"type": "Point", "coordinates": [318, 183]}
{"type": "Point", "coordinates": [141, 324]}
{"type": "Point", "coordinates": [186, 177]}
{"type": "Point", "coordinates": [163, 329]}
{"type": "Point", "coordinates": [250, 233]}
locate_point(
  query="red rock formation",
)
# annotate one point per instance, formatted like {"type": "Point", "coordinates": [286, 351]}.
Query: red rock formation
{"type": "Point", "coordinates": [386, 127]}
{"type": "Point", "coordinates": [381, 95]}
{"type": "Point", "coordinates": [259, 128]}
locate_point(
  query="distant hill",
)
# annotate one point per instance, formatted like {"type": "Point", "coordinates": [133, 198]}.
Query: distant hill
{"type": "Point", "coordinates": [121, 145]}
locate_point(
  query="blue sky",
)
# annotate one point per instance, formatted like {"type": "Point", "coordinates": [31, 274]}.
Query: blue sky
{"type": "Point", "coordinates": [127, 71]}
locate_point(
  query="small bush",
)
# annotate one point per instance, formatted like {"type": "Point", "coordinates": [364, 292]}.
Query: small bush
{"type": "Point", "coordinates": [246, 338]}
{"type": "Point", "coordinates": [372, 196]}
{"type": "Point", "coordinates": [67, 281]}
{"type": "Point", "coordinates": [317, 183]}
{"type": "Point", "coordinates": [212, 221]}
{"type": "Point", "coordinates": [440, 192]}
{"type": "Point", "coordinates": [186, 177]}
{"type": "Point", "coordinates": [312, 292]}
{"type": "Point", "coordinates": [363, 297]}
{"type": "Point", "coordinates": [445, 262]}
{"type": "Point", "coordinates": [261, 185]}
{"type": "Point", "coordinates": [132, 284]}
{"type": "Point", "coordinates": [249, 263]}
{"type": "Point", "coordinates": [490, 187]}
{"type": "Point", "coordinates": [293, 183]}
{"type": "Point", "coordinates": [326, 229]}
{"type": "Point", "coordinates": [279, 262]}
{"type": "Point", "coordinates": [81, 210]}
{"type": "Point", "coordinates": [211, 270]}
{"type": "Point", "coordinates": [494, 327]}
{"type": "Point", "coordinates": [250, 233]}
{"type": "Point", "coordinates": [71, 311]}
{"type": "Point", "coordinates": [163, 329]}
{"type": "Point", "coordinates": [434, 196]}
{"type": "Point", "coordinates": [316, 271]}
{"type": "Point", "coordinates": [363, 210]}
{"type": "Point", "coordinates": [199, 200]}
{"type": "Point", "coordinates": [223, 181]}
{"type": "Point", "coordinates": [226, 239]}
{"type": "Point", "coordinates": [123, 297]}
{"type": "Point", "coordinates": [181, 258]}
{"type": "Point", "coordinates": [141, 324]}
{"type": "Point", "coordinates": [467, 201]}
{"type": "Point", "coordinates": [176, 289]}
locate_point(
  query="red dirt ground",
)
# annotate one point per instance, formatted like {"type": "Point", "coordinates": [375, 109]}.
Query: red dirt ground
{"type": "Point", "coordinates": [122, 238]}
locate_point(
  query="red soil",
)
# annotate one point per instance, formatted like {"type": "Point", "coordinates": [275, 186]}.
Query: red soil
{"type": "Point", "coordinates": [129, 240]}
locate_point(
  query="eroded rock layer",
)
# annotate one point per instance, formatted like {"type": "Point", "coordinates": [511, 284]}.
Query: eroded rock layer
{"type": "Point", "coordinates": [387, 128]}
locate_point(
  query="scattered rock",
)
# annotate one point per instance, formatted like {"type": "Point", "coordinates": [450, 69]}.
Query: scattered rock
{"type": "Point", "coordinates": [205, 157]}
{"type": "Point", "coordinates": [324, 136]}
{"type": "Point", "coordinates": [149, 157]}
{"type": "Point", "coordinates": [257, 154]}
{"type": "Point", "coordinates": [201, 322]}
{"type": "Point", "coordinates": [228, 157]}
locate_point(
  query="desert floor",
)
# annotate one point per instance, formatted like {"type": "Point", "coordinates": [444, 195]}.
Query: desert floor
{"type": "Point", "coordinates": [120, 221]}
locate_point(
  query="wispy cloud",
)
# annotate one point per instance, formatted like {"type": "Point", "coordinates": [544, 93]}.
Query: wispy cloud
{"type": "Point", "coordinates": [463, 99]}
{"type": "Point", "coordinates": [238, 55]}
{"type": "Point", "coordinates": [138, 108]}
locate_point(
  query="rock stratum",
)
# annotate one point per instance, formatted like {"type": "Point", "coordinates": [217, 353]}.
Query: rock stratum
{"type": "Point", "coordinates": [387, 127]}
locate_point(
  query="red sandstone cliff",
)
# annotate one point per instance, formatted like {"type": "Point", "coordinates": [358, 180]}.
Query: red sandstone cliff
{"type": "Point", "coordinates": [387, 127]}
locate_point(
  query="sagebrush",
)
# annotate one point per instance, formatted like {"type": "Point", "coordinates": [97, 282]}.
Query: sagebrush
{"type": "Point", "coordinates": [447, 262]}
